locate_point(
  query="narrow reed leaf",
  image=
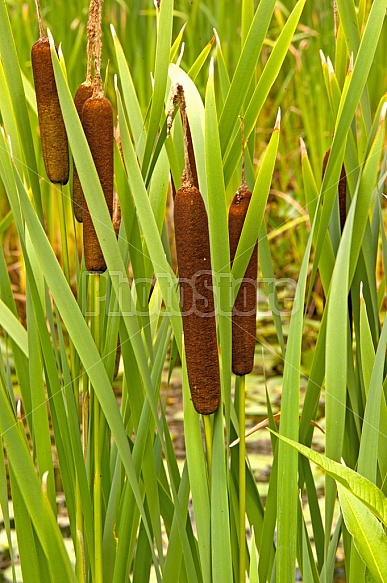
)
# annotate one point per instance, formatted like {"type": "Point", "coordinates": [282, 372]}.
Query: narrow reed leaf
{"type": "Point", "coordinates": [163, 47]}
{"type": "Point", "coordinates": [132, 105]}
{"type": "Point", "coordinates": [287, 497]}
{"type": "Point", "coordinates": [40, 512]}
{"type": "Point", "coordinates": [69, 309]}
{"type": "Point", "coordinates": [368, 534]}
{"type": "Point", "coordinates": [255, 213]}
{"type": "Point", "coordinates": [222, 68]}
{"type": "Point", "coordinates": [12, 72]}
{"type": "Point", "coordinates": [262, 89]}
{"type": "Point", "coordinates": [198, 478]}
{"type": "Point", "coordinates": [367, 464]}
{"type": "Point", "coordinates": [177, 43]}
{"type": "Point", "coordinates": [244, 71]}
{"type": "Point", "coordinates": [13, 327]}
{"type": "Point", "coordinates": [349, 102]}
{"type": "Point", "coordinates": [356, 484]}
{"type": "Point", "coordinates": [197, 66]}
{"type": "Point", "coordinates": [311, 195]}
{"type": "Point", "coordinates": [217, 218]}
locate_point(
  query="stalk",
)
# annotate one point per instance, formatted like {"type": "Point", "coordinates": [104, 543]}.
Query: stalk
{"type": "Point", "coordinates": [208, 433]}
{"type": "Point", "coordinates": [241, 389]}
{"type": "Point", "coordinates": [97, 490]}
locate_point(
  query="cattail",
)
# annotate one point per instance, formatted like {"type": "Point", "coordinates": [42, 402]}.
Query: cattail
{"type": "Point", "coordinates": [84, 92]}
{"type": "Point", "coordinates": [97, 118]}
{"type": "Point", "coordinates": [342, 190]}
{"type": "Point", "coordinates": [196, 298]}
{"type": "Point", "coordinates": [196, 294]}
{"type": "Point", "coordinates": [245, 306]}
{"type": "Point", "coordinates": [52, 129]}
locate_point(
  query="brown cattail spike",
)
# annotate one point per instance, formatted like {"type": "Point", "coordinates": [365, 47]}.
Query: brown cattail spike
{"type": "Point", "coordinates": [196, 299]}
{"type": "Point", "coordinates": [97, 118]}
{"type": "Point", "coordinates": [195, 275]}
{"type": "Point", "coordinates": [52, 128]}
{"type": "Point", "coordinates": [84, 92]}
{"type": "Point", "coordinates": [342, 190]}
{"type": "Point", "coordinates": [245, 306]}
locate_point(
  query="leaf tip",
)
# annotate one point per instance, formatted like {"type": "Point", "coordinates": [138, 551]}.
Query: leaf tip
{"type": "Point", "coordinates": [350, 66]}
{"type": "Point", "coordinates": [278, 120]}
{"type": "Point", "coordinates": [383, 112]}
{"type": "Point", "coordinates": [44, 482]}
{"type": "Point", "coordinates": [113, 31]}
{"type": "Point", "coordinates": [216, 37]}
{"type": "Point", "coordinates": [212, 67]}
{"type": "Point", "coordinates": [19, 410]}
{"type": "Point", "coordinates": [180, 57]}
{"type": "Point", "coordinates": [51, 38]}
{"type": "Point", "coordinates": [303, 148]}
{"type": "Point", "coordinates": [323, 58]}
{"type": "Point", "coordinates": [331, 70]}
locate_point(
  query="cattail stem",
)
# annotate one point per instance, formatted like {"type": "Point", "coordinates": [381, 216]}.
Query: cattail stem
{"type": "Point", "coordinates": [40, 20]}
{"type": "Point", "coordinates": [63, 237]}
{"type": "Point", "coordinates": [241, 390]}
{"type": "Point", "coordinates": [97, 490]}
{"type": "Point", "coordinates": [96, 34]}
{"type": "Point", "coordinates": [208, 434]}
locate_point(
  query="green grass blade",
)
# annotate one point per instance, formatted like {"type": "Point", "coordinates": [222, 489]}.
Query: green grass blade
{"type": "Point", "coordinates": [15, 84]}
{"type": "Point", "coordinates": [13, 327]}
{"type": "Point", "coordinates": [350, 99]}
{"type": "Point", "coordinates": [244, 72]}
{"type": "Point", "coordinates": [269, 75]}
{"type": "Point", "coordinates": [368, 534]}
{"type": "Point", "coordinates": [359, 486]}
{"type": "Point", "coordinates": [287, 500]}
{"type": "Point", "coordinates": [41, 514]}
{"type": "Point", "coordinates": [163, 47]}
{"type": "Point", "coordinates": [255, 213]}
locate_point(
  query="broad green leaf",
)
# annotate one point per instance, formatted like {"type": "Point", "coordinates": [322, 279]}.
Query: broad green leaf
{"type": "Point", "coordinates": [359, 486]}
{"type": "Point", "coordinates": [368, 534]}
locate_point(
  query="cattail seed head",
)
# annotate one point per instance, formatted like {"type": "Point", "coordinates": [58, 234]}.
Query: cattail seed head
{"type": "Point", "coordinates": [245, 306]}
{"type": "Point", "coordinates": [83, 93]}
{"type": "Point", "coordinates": [52, 129]}
{"type": "Point", "coordinates": [342, 189]}
{"type": "Point", "coordinates": [196, 298]}
{"type": "Point", "coordinates": [97, 119]}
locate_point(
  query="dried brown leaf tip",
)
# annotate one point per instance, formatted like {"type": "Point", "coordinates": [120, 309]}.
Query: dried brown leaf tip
{"type": "Point", "coordinates": [196, 286]}
{"type": "Point", "coordinates": [245, 306]}
{"type": "Point", "coordinates": [52, 129]}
